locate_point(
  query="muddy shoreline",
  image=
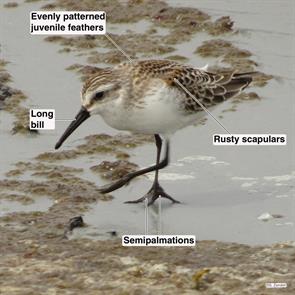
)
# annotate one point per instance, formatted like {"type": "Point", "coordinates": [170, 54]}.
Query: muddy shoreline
{"type": "Point", "coordinates": [50, 264]}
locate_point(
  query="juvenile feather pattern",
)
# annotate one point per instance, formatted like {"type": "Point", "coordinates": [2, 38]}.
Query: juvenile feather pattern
{"type": "Point", "coordinates": [209, 88]}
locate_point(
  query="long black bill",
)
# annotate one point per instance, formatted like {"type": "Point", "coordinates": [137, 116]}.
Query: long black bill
{"type": "Point", "coordinates": [79, 119]}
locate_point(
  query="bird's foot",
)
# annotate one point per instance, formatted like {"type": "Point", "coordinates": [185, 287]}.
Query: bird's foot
{"type": "Point", "coordinates": [152, 195]}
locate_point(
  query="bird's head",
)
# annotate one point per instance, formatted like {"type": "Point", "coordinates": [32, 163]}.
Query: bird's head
{"type": "Point", "coordinates": [98, 91]}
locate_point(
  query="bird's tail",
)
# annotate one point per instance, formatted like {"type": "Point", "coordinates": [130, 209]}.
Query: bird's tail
{"type": "Point", "coordinates": [236, 82]}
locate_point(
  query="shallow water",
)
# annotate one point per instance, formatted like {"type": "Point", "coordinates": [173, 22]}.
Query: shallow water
{"type": "Point", "coordinates": [223, 189]}
{"type": "Point", "coordinates": [41, 204]}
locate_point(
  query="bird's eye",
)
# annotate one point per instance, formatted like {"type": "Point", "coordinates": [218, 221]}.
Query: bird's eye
{"type": "Point", "coordinates": [98, 96]}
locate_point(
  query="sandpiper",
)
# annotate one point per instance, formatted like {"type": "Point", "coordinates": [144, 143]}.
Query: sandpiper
{"type": "Point", "coordinates": [155, 97]}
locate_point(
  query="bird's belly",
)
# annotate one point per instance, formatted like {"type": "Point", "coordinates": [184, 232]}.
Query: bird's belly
{"type": "Point", "coordinates": [163, 116]}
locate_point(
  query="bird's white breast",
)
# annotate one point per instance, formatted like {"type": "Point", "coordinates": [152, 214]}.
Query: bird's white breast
{"type": "Point", "coordinates": [159, 112]}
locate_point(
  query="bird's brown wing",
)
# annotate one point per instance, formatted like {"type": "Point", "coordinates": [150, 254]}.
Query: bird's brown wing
{"type": "Point", "coordinates": [209, 88]}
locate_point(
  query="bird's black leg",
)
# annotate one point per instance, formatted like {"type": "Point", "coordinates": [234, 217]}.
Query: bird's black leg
{"type": "Point", "coordinates": [156, 190]}
{"type": "Point", "coordinates": [125, 179]}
